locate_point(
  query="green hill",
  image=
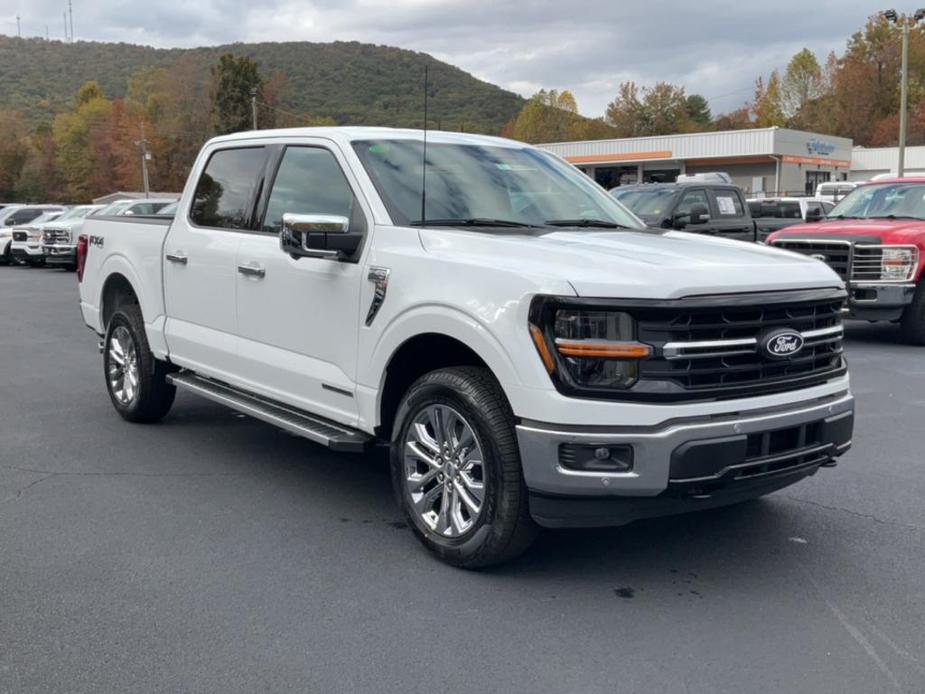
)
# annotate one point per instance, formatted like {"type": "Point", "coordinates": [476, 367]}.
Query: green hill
{"type": "Point", "coordinates": [354, 83]}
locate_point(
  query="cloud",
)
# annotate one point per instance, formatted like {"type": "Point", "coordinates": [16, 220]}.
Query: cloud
{"type": "Point", "coordinates": [713, 47]}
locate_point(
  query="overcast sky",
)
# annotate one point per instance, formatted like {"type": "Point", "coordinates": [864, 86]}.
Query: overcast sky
{"type": "Point", "coordinates": [712, 47]}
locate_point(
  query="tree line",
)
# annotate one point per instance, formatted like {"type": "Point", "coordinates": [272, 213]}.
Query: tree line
{"type": "Point", "coordinates": [855, 95]}
{"type": "Point", "coordinates": [96, 146]}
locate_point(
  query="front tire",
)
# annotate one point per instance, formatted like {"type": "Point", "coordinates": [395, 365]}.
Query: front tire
{"type": "Point", "coordinates": [456, 469]}
{"type": "Point", "coordinates": [912, 324]}
{"type": "Point", "coordinates": [136, 381]}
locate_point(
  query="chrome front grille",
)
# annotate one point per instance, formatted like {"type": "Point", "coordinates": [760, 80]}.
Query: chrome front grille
{"type": "Point", "coordinates": [853, 262]}
{"type": "Point", "coordinates": [55, 236]}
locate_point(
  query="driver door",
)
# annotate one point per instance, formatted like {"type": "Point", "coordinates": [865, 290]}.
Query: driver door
{"type": "Point", "coordinates": [298, 318]}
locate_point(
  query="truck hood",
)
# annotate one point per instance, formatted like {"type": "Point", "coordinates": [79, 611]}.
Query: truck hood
{"type": "Point", "coordinates": [888, 231]}
{"type": "Point", "coordinates": [634, 264]}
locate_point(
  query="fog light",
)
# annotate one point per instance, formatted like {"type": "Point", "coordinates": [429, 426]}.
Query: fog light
{"type": "Point", "coordinates": [596, 457]}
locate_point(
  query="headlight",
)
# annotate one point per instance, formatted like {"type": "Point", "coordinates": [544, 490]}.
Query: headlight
{"type": "Point", "coordinates": [898, 264]}
{"type": "Point", "coordinates": [593, 348]}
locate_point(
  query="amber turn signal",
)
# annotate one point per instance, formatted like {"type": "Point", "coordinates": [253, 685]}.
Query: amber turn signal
{"type": "Point", "coordinates": [541, 347]}
{"type": "Point", "coordinates": [602, 349]}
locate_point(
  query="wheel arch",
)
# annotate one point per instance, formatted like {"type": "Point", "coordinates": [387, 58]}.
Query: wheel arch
{"type": "Point", "coordinates": [116, 291]}
{"type": "Point", "coordinates": [416, 356]}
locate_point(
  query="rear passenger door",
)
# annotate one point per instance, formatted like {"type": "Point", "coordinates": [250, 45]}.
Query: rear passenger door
{"type": "Point", "coordinates": [730, 218]}
{"type": "Point", "coordinates": [200, 253]}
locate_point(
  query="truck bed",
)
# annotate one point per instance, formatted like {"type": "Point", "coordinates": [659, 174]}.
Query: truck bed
{"type": "Point", "coordinates": [130, 246]}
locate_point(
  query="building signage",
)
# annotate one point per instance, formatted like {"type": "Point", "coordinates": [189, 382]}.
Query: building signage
{"type": "Point", "coordinates": [820, 148]}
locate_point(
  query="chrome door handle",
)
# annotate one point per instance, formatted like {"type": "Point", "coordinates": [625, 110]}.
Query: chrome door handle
{"type": "Point", "coordinates": [178, 258]}
{"type": "Point", "coordinates": [252, 271]}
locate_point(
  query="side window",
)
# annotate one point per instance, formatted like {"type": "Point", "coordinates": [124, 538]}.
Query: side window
{"type": "Point", "coordinates": [225, 190]}
{"type": "Point", "coordinates": [728, 204]}
{"type": "Point", "coordinates": [790, 210]}
{"type": "Point", "coordinates": [690, 200]}
{"type": "Point", "coordinates": [309, 181]}
{"type": "Point", "coordinates": [25, 216]}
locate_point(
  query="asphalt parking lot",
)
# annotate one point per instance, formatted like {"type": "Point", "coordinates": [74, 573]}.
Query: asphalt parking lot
{"type": "Point", "coordinates": [213, 553]}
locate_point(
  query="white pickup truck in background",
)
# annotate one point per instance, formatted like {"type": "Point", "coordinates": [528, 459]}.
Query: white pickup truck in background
{"type": "Point", "coordinates": [532, 352]}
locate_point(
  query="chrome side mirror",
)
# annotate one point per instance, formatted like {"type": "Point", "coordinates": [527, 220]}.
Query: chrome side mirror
{"type": "Point", "coordinates": [307, 235]}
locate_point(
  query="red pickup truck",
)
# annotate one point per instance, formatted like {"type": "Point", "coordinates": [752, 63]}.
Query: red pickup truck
{"type": "Point", "coordinates": [875, 240]}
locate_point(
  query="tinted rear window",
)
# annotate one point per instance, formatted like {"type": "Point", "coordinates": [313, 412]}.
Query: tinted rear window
{"type": "Point", "coordinates": [225, 190]}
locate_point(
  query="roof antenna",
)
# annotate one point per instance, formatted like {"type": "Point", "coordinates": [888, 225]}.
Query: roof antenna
{"type": "Point", "coordinates": [424, 166]}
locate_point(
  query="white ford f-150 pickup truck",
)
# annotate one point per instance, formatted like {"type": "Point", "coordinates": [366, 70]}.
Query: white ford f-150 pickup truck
{"type": "Point", "coordinates": [532, 353]}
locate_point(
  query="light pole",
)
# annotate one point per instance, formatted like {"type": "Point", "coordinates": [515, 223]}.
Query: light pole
{"type": "Point", "coordinates": [892, 16]}
{"type": "Point", "coordinates": [254, 106]}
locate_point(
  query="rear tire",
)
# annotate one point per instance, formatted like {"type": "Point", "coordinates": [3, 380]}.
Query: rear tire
{"type": "Point", "coordinates": [912, 324]}
{"type": "Point", "coordinates": [136, 381]}
{"type": "Point", "coordinates": [454, 450]}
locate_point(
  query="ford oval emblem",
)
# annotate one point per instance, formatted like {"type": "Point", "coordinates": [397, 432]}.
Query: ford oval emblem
{"type": "Point", "coordinates": [781, 344]}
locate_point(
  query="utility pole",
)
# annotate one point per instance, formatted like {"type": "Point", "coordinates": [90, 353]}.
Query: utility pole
{"type": "Point", "coordinates": [143, 143]}
{"type": "Point", "coordinates": [70, 9]}
{"type": "Point", "coordinates": [65, 26]}
{"type": "Point", "coordinates": [254, 106]}
{"type": "Point", "coordinates": [907, 22]}
{"type": "Point", "coordinates": [903, 102]}
{"type": "Point", "coordinates": [18, 27]}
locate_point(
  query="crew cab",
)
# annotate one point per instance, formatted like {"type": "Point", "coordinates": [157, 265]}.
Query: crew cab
{"type": "Point", "coordinates": [874, 240]}
{"type": "Point", "coordinates": [774, 214]}
{"type": "Point", "coordinates": [59, 239]}
{"type": "Point", "coordinates": [18, 216]}
{"type": "Point", "coordinates": [26, 246]}
{"type": "Point", "coordinates": [702, 204]}
{"type": "Point", "coordinates": [532, 354]}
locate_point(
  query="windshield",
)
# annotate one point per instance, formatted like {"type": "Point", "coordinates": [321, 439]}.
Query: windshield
{"type": "Point", "coordinates": [486, 186]}
{"type": "Point", "coordinates": [115, 207]}
{"type": "Point", "coordinates": [46, 217]}
{"type": "Point", "coordinates": [648, 204]}
{"type": "Point", "coordinates": [75, 213]}
{"type": "Point", "coordinates": [885, 201]}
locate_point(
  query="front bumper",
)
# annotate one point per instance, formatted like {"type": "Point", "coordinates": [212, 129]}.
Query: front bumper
{"type": "Point", "coordinates": [25, 250]}
{"type": "Point", "coordinates": [686, 464]}
{"type": "Point", "coordinates": [878, 301]}
{"type": "Point", "coordinates": [59, 253]}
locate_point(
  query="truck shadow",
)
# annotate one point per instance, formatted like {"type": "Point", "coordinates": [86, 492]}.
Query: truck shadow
{"type": "Point", "coordinates": [866, 333]}
{"type": "Point", "coordinates": [670, 552]}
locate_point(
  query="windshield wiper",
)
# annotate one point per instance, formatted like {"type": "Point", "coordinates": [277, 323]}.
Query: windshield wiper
{"type": "Point", "coordinates": [894, 216]}
{"type": "Point", "coordinates": [472, 222]}
{"type": "Point", "coordinates": [842, 216]}
{"type": "Point", "coordinates": [599, 223]}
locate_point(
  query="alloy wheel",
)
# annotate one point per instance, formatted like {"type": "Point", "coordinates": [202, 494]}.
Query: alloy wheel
{"type": "Point", "coordinates": [123, 366]}
{"type": "Point", "coordinates": [444, 470]}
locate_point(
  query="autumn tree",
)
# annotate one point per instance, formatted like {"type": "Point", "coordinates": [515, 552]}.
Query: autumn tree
{"type": "Point", "coordinates": [767, 108]}
{"type": "Point", "coordinates": [14, 152]}
{"type": "Point", "coordinates": [83, 138]}
{"type": "Point", "coordinates": [548, 116]}
{"type": "Point", "coordinates": [658, 110]}
{"type": "Point", "coordinates": [175, 105]}
{"type": "Point", "coordinates": [801, 85]}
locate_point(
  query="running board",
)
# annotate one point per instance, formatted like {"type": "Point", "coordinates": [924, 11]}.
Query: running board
{"type": "Point", "coordinates": [335, 436]}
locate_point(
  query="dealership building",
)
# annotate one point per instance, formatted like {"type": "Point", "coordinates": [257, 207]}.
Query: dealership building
{"type": "Point", "coordinates": [764, 160]}
{"type": "Point", "coordinates": [868, 162]}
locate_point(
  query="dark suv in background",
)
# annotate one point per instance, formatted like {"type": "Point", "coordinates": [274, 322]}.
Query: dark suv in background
{"type": "Point", "coordinates": [700, 203]}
